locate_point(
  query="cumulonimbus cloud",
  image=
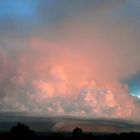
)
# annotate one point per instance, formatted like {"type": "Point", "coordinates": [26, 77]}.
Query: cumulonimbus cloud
{"type": "Point", "coordinates": [78, 71]}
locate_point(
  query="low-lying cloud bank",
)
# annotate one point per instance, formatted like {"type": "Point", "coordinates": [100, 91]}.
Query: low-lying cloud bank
{"type": "Point", "coordinates": [67, 124]}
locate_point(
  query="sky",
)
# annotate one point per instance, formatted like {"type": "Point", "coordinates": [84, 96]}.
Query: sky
{"type": "Point", "coordinates": [76, 58]}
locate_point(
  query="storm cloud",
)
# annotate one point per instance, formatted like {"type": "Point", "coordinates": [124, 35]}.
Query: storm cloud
{"type": "Point", "coordinates": [70, 59]}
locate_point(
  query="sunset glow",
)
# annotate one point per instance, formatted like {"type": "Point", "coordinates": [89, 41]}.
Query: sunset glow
{"type": "Point", "coordinates": [70, 59]}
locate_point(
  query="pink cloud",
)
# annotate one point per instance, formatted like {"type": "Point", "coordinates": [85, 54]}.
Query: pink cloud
{"type": "Point", "coordinates": [77, 73]}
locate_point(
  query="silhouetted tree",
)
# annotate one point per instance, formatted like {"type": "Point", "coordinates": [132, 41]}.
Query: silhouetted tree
{"type": "Point", "coordinates": [77, 132]}
{"type": "Point", "coordinates": [21, 131]}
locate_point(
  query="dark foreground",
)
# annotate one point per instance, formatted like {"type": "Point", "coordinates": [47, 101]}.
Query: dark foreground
{"type": "Point", "coordinates": [23, 132]}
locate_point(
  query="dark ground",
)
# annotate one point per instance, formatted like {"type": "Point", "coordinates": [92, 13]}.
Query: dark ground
{"type": "Point", "coordinates": [23, 132]}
